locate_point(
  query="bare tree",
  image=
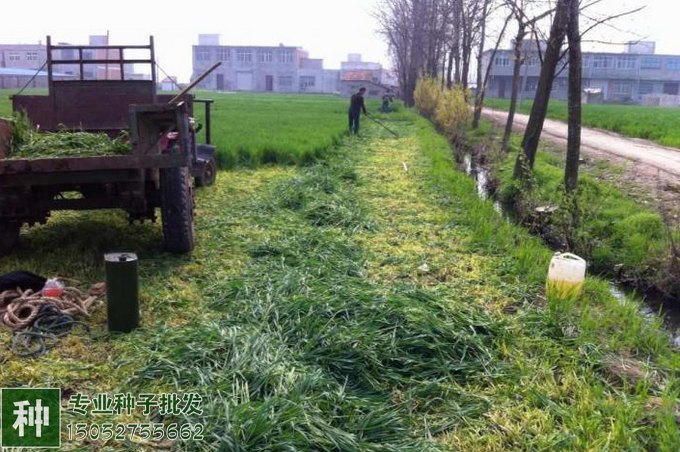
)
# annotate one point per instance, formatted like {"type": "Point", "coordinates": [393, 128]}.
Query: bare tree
{"type": "Point", "coordinates": [523, 23]}
{"type": "Point", "coordinates": [416, 34]}
{"type": "Point", "coordinates": [482, 81]}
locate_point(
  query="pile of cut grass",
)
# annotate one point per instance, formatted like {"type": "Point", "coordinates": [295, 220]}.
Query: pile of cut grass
{"type": "Point", "coordinates": [307, 353]}
{"type": "Point", "coordinates": [661, 125]}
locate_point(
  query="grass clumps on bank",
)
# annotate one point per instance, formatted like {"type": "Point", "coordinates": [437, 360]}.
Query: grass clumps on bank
{"type": "Point", "coordinates": [581, 374]}
{"type": "Point", "coordinates": [618, 236]}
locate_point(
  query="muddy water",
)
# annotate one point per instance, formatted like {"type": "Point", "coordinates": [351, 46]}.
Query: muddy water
{"type": "Point", "coordinates": [652, 305]}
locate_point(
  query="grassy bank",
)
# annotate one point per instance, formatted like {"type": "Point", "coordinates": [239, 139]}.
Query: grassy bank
{"type": "Point", "coordinates": [622, 236]}
{"type": "Point", "coordinates": [661, 125]}
{"type": "Point", "coordinates": [369, 301]}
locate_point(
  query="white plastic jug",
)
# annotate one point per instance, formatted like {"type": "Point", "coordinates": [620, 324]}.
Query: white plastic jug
{"type": "Point", "coordinates": [566, 275]}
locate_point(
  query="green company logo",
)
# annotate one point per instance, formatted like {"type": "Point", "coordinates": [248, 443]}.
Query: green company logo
{"type": "Point", "coordinates": [31, 417]}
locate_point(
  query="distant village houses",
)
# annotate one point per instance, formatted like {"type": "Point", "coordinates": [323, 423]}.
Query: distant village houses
{"type": "Point", "coordinates": [283, 69]}
{"type": "Point", "coordinates": [638, 75]}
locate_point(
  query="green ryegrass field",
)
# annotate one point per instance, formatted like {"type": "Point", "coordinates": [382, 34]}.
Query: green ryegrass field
{"type": "Point", "coordinates": [661, 125]}
{"type": "Point", "coordinates": [367, 301]}
{"type": "Point", "coordinates": [251, 129]}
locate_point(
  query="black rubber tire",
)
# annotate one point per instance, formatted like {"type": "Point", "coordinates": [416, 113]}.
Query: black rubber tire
{"type": "Point", "coordinates": [208, 174]}
{"type": "Point", "coordinates": [177, 210]}
{"type": "Point", "coordinates": [9, 236]}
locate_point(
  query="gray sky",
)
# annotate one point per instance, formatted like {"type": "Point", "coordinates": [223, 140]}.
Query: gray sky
{"type": "Point", "coordinates": [328, 29]}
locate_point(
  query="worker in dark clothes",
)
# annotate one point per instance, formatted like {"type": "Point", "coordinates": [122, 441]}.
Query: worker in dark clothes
{"type": "Point", "coordinates": [355, 106]}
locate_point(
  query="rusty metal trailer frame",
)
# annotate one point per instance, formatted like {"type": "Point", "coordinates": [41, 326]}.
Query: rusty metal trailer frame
{"type": "Point", "coordinates": [150, 177]}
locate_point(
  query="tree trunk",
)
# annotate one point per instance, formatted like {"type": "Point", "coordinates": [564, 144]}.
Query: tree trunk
{"type": "Point", "coordinates": [449, 70]}
{"type": "Point", "coordinates": [479, 97]}
{"type": "Point", "coordinates": [532, 134]}
{"type": "Point", "coordinates": [519, 41]}
{"type": "Point", "coordinates": [575, 86]}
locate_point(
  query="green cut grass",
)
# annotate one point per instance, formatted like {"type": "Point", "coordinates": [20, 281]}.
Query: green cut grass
{"type": "Point", "coordinates": [661, 125]}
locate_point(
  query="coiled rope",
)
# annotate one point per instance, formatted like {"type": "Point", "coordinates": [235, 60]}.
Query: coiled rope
{"type": "Point", "coordinates": [38, 321]}
{"type": "Point", "coordinates": [23, 307]}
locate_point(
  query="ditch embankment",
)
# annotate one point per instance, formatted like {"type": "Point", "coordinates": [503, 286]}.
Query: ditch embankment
{"type": "Point", "coordinates": [628, 232]}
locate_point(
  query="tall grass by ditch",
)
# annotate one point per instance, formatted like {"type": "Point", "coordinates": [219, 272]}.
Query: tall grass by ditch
{"type": "Point", "coordinates": [661, 125]}
{"type": "Point", "coordinates": [620, 237]}
{"type": "Point", "coordinates": [574, 366]}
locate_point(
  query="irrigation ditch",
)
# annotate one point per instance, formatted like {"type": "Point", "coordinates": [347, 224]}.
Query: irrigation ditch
{"type": "Point", "coordinates": [652, 302]}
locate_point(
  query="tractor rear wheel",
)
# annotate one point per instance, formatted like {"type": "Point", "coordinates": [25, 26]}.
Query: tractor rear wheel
{"type": "Point", "coordinates": [177, 209]}
{"type": "Point", "coordinates": [9, 235]}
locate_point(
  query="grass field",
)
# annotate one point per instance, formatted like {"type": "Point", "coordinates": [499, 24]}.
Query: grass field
{"type": "Point", "coordinates": [254, 129]}
{"type": "Point", "coordinates": [661, 125]}
{"type": "Point", "coordinates": [368, 301]}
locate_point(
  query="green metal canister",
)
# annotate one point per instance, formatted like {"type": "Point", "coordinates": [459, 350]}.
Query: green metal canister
{"type": "Point", "coordinates": [122, 291]}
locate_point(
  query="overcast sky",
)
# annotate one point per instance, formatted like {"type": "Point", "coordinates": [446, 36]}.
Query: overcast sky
{"type": "Point", "coordinates": [328, 29]}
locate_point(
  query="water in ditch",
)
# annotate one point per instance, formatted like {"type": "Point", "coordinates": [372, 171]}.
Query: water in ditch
{"type": "Point", "coordinates": [652, 305]}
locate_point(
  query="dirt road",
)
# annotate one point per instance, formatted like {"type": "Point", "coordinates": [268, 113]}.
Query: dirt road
{"type": "Point", "coordinates": [641, 151]}
{"type": "Point", "coordinates": [649, 164]}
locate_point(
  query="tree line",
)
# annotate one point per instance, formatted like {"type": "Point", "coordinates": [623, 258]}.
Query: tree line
{"type": "Point", "coordinates": [443, 39]}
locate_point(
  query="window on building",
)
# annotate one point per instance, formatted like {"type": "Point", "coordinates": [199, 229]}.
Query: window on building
{"type": "Point", "coordinates": [13, 56]}
{"type": "Point", "coordinates": [285, 56]}
{"type": "Point", "coordinates": [621, 88]}
{"type": "Point", "coordinates": [587, 61]}
{"type": "Point", "coordinates": [285, 81]}
{"type": "Point", "coordinates": [244, 56]}
{"type": "Point", "coordinates": [32, 56]}
{"type": "Point", "coordinates": [626, 62]}
{"type": "Point", "coordinates": [602, 61]}
{"type": "Point", "coordinates": [531, 84]}
{"type": "Point", "coordinates": [673, 64]}
{"type": "Point", "coordinates": [307, 81]}
{"type": "Point", "coordinates": [645, 88]}
{"type": "Point", "coordinates": [202, 53]}
{"type": "Point", "coordinates": [502, 60]}
{"type": "Point", "coordinates": [531, 60]}
{"type": "Point", "coordinates": [650, 63]}
{"type": "Point", "coordinates": [671, 88]}
{"type": "Point", "coordinates": [224, 54]}
{"type": "Point", "coordinates": [265, 56]}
